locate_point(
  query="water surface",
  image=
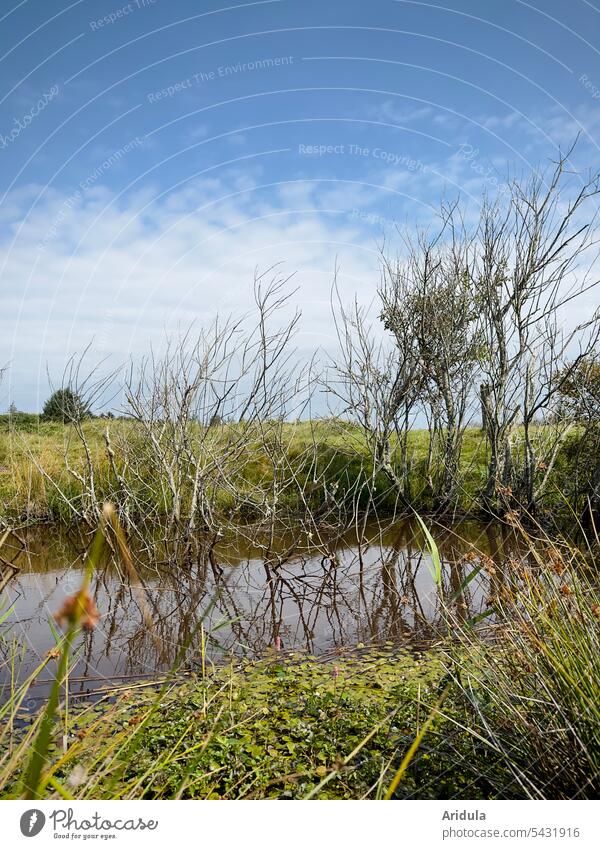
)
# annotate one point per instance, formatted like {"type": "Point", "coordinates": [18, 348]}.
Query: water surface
{"type": "Point", "coordinates": [313, 600]}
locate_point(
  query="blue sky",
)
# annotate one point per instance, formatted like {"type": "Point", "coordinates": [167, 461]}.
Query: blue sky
{"type": "Point", "coordinates": [155, 153]}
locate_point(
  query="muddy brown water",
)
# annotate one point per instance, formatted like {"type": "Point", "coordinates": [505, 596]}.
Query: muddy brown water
{"type": "Point", "coordinates": [382, 591]}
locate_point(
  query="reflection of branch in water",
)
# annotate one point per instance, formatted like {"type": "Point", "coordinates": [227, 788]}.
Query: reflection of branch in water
{"type": "Point", "coordinates": [327, 592]}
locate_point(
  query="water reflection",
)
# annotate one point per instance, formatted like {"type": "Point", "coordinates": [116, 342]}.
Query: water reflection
{"type": "Point", "coordinates": [252, 596]}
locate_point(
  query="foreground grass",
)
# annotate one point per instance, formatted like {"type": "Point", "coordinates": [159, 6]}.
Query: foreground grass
{"type": "Point", "coordinates": [535, 699]}
{"type": "Point", "coordinates": [278, 728]}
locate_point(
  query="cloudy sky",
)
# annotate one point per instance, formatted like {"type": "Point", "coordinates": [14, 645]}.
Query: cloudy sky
{"type": "Point", "coordinates": [154, 153]}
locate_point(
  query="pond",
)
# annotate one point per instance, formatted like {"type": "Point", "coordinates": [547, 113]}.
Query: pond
{"type": "Point", "coordinates": [306, 598]}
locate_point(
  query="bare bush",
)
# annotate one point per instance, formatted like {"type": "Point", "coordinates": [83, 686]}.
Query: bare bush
{"type": "Point", "coordinates": [377, 385]}
{"type": "Point", "coordinates": [206, 440]}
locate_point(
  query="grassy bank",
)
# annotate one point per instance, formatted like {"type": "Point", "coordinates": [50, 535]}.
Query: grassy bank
{"type": "Point", "coordinates": [43, 466]}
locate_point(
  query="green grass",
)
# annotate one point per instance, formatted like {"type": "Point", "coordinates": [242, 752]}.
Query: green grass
{"type": "Point", "coordinates": [535, 696]}
{"type": "Point", "coordinates": [342, 458]}
{"type": "Point", "coordinates": [276, 728]}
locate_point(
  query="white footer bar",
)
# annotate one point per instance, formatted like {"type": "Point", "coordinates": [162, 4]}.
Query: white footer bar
{"type": "Point", "coordinates": [312, 825]}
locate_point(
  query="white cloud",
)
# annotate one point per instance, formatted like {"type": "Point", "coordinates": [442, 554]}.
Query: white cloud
{"type": "Point", "coordinates": [125, 270]}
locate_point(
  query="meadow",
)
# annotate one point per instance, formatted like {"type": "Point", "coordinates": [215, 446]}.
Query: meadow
{"type": "Point", "coordinates": [43, 465]}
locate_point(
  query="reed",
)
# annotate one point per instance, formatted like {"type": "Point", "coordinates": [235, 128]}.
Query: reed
{"type": "Point", "coordinates": [533, 696]}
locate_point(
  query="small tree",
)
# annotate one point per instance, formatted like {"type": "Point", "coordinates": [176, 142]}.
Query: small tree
{"type": "Point", "coordinates": [580, 390]}
{"type": "Point", "coordinates": [377, 381]}
{"type": "Point", "coordinates": [537, 252]}
{"type": "Point", "coordinates": [64, 405]}
{"type": "Point", "coordinates": [429, 297]}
